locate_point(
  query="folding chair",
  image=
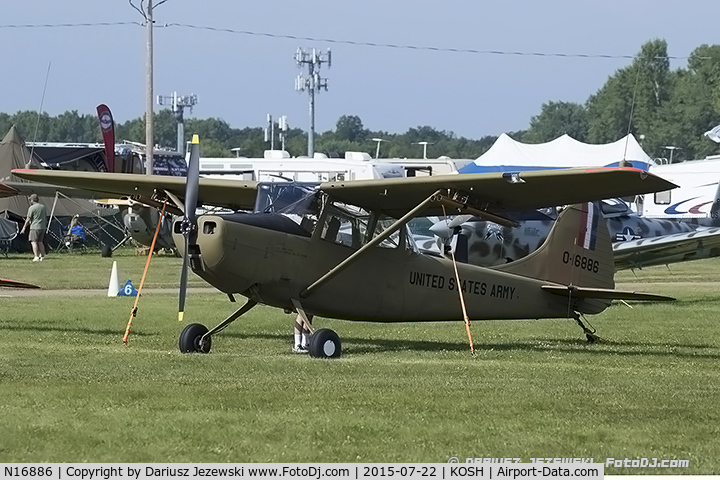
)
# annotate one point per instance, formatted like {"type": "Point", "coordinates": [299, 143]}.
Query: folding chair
{"type": "Point", "coordinates": [8, 232]}
{"type": "Point", "coordinates": [74, 240]}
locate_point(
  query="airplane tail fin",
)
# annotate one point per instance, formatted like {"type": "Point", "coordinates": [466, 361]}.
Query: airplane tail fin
{"type": "Point", "coordinates": [577, 261]}
{"type": "Point", "coordinates": [578, 251]}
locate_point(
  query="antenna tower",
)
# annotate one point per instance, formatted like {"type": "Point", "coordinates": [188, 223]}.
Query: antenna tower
{"type": "Point", "coordinates": [178, 103]}
{"type": "Point", "coordinates": [312, 83]}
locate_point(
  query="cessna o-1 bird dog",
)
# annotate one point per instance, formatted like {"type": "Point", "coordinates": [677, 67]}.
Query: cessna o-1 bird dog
{"type": "Point", "coordinates": [342, 249]}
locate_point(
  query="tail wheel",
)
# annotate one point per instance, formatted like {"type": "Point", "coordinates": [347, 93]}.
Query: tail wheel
{"type": "Point", "coordinates": [190, 339]}
{"type": "Point", "coordinates": [325, 343]}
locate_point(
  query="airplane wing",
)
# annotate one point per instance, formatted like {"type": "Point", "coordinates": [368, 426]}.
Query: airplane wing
{"type": "Point", "coordinates": [235, 194]}
{"type": "Point", "coordinates": [12, 189]}
{"type": "Point", "coordinates": [15, 284]}
{"type": "Point", "coordinates": [666, 249]}
{"type": "Point", "coordinates": [499, 192]}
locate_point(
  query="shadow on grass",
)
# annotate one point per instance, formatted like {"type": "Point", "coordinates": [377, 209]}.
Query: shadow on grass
{"type": "Point", "coordinates": [16, 327]}
{"type": "Point", "coordinates": [360, 345]}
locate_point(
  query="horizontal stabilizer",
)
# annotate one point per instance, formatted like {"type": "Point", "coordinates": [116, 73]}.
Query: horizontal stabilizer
{"type": "Point", "coordinates": [603, 293]}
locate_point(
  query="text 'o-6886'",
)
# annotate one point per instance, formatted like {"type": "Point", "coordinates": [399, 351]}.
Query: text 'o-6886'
{"type": "Point", "coordinates": [581, 261]}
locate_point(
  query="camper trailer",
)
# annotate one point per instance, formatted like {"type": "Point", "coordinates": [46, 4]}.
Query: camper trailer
{"type": "Point", "coordinates": [277, 165]}
{"type": "Point", "coordinates": [698, 192]}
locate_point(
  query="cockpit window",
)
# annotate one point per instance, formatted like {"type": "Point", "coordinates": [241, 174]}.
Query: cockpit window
{"type": "Point", "coordinates": [345, 225]}
{"type": "Point", "coordinates": [383, 224]}
{"type": "Point", "coordinates": [278, 197]}
{"type": "Point", "coordinates": [301, 202]}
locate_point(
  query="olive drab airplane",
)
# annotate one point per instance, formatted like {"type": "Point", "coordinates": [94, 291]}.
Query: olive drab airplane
{"type": "Point", "coordinates": [343, 250]}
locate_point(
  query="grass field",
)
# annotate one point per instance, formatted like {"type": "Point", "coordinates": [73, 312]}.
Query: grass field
{"type": "Point", "coordinates": [71, 391]}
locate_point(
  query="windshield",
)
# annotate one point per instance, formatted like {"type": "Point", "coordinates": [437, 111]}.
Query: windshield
{"type": "Point", "coordinates": [288, 198]}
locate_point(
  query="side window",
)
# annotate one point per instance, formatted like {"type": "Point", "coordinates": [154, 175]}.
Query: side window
{"type": "Point", "coordinates": [662, 198]}
{"type": "Point", "coordinates": [344, 228]}
{"type": "Point", "coordinates": [383, 224]}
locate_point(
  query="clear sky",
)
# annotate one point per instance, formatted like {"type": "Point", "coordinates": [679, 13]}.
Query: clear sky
{"type": "Point", "coordinates": [241, 78]}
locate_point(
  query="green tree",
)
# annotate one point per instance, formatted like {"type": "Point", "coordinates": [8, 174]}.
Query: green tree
{"type": "Point", "coordinates": [350, 127]}
{"type": "Point", "coordinates": [556, 119]}
{"type": "Point", "coordinates": [632, 97]}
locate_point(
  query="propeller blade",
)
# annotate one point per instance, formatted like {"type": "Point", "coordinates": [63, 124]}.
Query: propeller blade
{"type": "Point", "coordinates": [189, 226]}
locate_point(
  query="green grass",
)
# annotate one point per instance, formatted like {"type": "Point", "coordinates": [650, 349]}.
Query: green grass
{"type": "Point", "coordinates": [91, 270]}
{"type": "Point", "coordinates": [71, 391]}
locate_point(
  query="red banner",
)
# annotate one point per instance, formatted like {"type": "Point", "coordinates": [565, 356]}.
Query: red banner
{"type": "Point", "coordinates": [108, 132]}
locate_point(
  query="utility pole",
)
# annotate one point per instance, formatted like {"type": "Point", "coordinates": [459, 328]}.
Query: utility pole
{"type": "Point", "coordinates": [177, 104]}
{"type": "Point", "coordinates": [312, 83]}
{"type": "Point", "coordinates": [149, 120]}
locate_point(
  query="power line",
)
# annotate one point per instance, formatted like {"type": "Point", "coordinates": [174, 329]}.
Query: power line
{"type": "Point", "coordinates": [354, 42]}
{"type": "Point", "coordinates": [63, 25]}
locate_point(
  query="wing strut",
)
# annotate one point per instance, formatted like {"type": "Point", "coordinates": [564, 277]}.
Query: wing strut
{"type": "Point", "coordinates": [462, 298]}
{"type": "Point", "coordinates": [133, 312]}
{"type": "Point", "coordinates": [375, 241]}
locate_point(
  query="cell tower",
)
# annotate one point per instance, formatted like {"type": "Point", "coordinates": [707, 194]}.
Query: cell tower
{"type": "Point", "coordinates": [178, 103]}
{"type": "Point", "coordinates": [312, 83]}
{"type": "Point", "coordinates": [270, 131]}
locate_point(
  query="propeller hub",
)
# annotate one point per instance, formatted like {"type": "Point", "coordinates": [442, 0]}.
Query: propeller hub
{"type": "Point", "coordinates": [187, 227]}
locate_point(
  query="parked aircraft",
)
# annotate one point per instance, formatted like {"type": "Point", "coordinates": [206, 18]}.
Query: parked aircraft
{"type": "Point", "coordinates": [289, 254]}
{"type": "Point", "coordinates": [4, 282]}
{"type": "Point", "coordinates": [637, 241]}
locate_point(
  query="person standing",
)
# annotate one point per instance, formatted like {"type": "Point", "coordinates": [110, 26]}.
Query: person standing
{"type": "Point", "coordinates": [37, 222]}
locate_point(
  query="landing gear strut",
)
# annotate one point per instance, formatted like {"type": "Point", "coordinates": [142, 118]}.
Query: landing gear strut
{"type": "Point", "coordinates": [589, 333]}
{"type": "Point", "coordinates": [196, 338]}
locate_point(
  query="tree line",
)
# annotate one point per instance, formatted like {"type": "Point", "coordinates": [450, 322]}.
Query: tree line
{"type": "Point", "coordinates": [660, 106]}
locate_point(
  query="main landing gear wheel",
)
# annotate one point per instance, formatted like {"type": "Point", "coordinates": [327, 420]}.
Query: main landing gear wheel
{"type": "Point", "coordinates": [591, 337]}
{"type": "Point", "coordinates": [324, 343]}
{"type": "Point", "coordinates": [190, 339]}
{"type": "Point", "coordinates": [589, 333]}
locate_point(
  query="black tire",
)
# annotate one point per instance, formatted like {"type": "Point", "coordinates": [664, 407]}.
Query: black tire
{"type": "Point", "coordinates": [325, 343]}
{"type": "Point", "coordinates": [190, 339]}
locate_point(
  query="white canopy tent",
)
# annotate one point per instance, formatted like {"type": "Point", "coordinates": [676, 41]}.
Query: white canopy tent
{"type": "Point", "coordinates": [507, 154]}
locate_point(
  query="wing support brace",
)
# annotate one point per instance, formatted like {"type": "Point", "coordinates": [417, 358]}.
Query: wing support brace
{"type": "Point", "coordinates": [463, 208]}
{"type": "Point", "coordinates": [179, 204]}
{"type": "Point", "coordinates": [372, 243]}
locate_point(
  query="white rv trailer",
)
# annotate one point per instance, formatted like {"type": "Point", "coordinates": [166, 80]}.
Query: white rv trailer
{"type": "Point", "coordinates": [419, 167]}
{"type": "Point", "coordinates": [278, 165]}
{"type": "Point", "coordinates": [698, 192]}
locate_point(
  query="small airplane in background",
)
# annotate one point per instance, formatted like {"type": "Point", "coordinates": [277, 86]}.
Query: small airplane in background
{"type": "Point", "coordinates": [4, 282]}
{"type": "Point", "coordinates": [637, 241]}
{"type": "Point", "coordinates": [289, 253]}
